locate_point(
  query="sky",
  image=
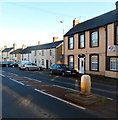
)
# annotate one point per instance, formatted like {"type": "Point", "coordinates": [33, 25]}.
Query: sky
{"type": "Point", "coordinates": [29, 22]}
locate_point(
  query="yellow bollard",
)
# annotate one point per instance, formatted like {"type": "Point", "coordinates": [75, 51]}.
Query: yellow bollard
{"type": "Point", "coordinates": [86, 85]}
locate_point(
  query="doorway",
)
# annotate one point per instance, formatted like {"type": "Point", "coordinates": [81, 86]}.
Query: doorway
{"type": "Point", "coordinates": [81, 63]}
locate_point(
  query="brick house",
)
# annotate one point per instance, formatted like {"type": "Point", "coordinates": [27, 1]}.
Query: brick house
{"type": "Point", "coordinates": [92, 46]}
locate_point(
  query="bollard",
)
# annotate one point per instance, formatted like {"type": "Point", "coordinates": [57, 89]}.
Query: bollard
{"type": "Point", "coordinates": [85, 84]}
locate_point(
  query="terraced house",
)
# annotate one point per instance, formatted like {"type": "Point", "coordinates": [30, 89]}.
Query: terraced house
{"type": "Point", "coordinates": [47, 54]}
{"type": "Point", "coordinates": [92, 46]}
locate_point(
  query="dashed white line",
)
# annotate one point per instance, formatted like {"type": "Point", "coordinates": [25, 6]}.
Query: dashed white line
{"type": "Point", "coordinates": [60, 99]}
{"type": "Point", "coordinates": [110, 98]}
{"type": "Point", "coordinates": [17, 81]}
{"type": "Point", "coordinates": [2, 75]}
{"type": "Point", "coordinates": [33, 79]}
{"type": "Point", "coordinates": [66, 88]}
{"type": "Point", "coordinates": [14, 74]}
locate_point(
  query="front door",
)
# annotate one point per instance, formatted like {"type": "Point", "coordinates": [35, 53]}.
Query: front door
{"type": "Point", "coordinates": [81, 65]}
{"type": "Point", "coordinates": [46, 64]}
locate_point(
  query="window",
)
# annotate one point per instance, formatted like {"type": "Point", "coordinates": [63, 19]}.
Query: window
{"type": "Point", "coordinates": [71, 43]}
{"type": "Point", "coordinates": [42, 52]}
{"type": "Point", "coordinates": [114, 64]}
{"type": "Point", "coordinates": [81, 41]}
{"type": "Point", "coordinates": [50, 52]}
{"type": "Point", "coordinates": [71, 61]}
{"type": "Point", "coordinates": [50, 62]}
{"type": "Point", "coordinates": [116, 35]}
{"type": "Point", "coordinates": [94, 39]}
{"type": "Point", "coordinates": [42, 61]}
{"type": "Point", "coordinates": [35, 53]}
{"type": "Point", "coordinates": [94, 62]}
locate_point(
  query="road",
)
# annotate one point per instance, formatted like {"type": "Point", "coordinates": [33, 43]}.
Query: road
{"type": "Point", "coordinates": [22, 101]}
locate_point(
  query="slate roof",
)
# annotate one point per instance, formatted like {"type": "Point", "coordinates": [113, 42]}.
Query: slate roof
{"type": "Point", "coordinates": [7, 49]}
{"type": "Point", "coordinates": [104, 19]}
{"type": "Point", "coordinates": [17, 51]}
{"type": "Point", "coordinates": [40, 47]}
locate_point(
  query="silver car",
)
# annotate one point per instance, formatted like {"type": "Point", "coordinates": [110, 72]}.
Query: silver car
{"type": "Point", "coordinates": [29, 66]}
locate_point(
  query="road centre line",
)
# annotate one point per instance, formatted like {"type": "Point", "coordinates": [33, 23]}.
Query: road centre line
{"type": "Point", "coordinates": [110, 98]}
{"type": "Point", "coordinates": [2, 75]}
{"type": "Point", "coordinates": [60, 99]}
{"type": "Point", "coordinates": [17, 81]}
{"type": "Point", "coordinates": [14, 74]}
{"type": "Point", "coordinates": [66, 88]}
{"type": "Point", "coordinates": [33, 79]}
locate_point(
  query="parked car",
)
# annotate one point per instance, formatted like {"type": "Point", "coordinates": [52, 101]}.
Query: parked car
{"type": "Point", "coordinates": [14, 64]}
{"type": "Point", "coordinates": [21, 63]}
{"type": "Point", "coordinates": [62, 69]}
{"type": "Point", "coordinates": [29, 66]}
{"type": "Point", "coordinates": [6, 63]}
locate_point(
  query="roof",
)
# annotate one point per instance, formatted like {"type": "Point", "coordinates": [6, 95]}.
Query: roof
{"type": "Point", "coordinates": [17, 51]}
{"type": "Point", "coordinates": [102, 20]}
{"type": "Point", "coordinates": [7, 49]}
{"type": "Point", "coordinates": [40, 47]}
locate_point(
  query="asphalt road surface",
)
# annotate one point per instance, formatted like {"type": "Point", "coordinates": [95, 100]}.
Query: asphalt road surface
{"type": "Point", "coordinates": [21, 101]}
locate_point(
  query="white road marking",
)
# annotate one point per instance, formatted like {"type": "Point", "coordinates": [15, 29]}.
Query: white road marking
{"type": "Point", "coordinates": [110, 98]}
{"type": "Point", "coordinates": [17, 81]}
{"type": "Point", "coordinates": [33, 79]}
{"type": "Point", "coordinates": [14, 74]}
{"type": "Point", "coordinates": [2, 75]}
{"type": "Point", "coordinates": [66, 88]}
{"type": "Point", "coordinates": [60, 99]}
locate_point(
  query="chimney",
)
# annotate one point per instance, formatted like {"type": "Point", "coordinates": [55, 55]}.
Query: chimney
{"type": "Point", "coordinates": [23, 46]}
{"type": "Point", "coordinates": [117, 5]}
{"type": "Point", "coordinates": [38, 42]}
{"type": "Point", "coordinates": [15, 46]}
{"type": "Point", "coordinates": [55, 39]}
{"type": "Point", "coordinates": [75, 22]}
{"type": "Point", "coordinates": [5, 46]}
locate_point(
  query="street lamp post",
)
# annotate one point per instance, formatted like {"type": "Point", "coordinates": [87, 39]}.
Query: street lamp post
{"type": "Point", "coordinates": [63, 26]}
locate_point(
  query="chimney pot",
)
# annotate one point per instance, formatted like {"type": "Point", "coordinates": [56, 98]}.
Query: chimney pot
{"type": "Point", "coordinates": [75, 22]}
{"type": "Point", "coordinates": [55, 39]}
{"type": "Point", "coordinates": [15, 46]}
{"type": "Point", "coordinates": [38, 42]}
{"type": "Point", "coordinates": [5, 46]}
{"type": "Point", "coordinates": [23, 46]}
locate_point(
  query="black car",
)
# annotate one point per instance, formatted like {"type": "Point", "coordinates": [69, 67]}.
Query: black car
{"type": "Point", "coordinates": [6, 63]}
{"type": "Point", "coordinates": [62, 69]}
{"type": "Point", "coordinates": [13, 64]}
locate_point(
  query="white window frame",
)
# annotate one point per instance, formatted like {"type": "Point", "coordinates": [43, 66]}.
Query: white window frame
{"type": "Point", "coordinates": [94, 37]}
{"type": "Point", "coordinates": [94, 62]}
{"type": "Point", "coordinates": [115, 65]}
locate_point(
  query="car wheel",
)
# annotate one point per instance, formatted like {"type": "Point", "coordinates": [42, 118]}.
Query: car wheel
{"type": "Point", "coordinates": [51, 72]}
{"type": "Point", "coordinates": [27, 69]}
{"type": "Point", "coordinates": [63, 74]}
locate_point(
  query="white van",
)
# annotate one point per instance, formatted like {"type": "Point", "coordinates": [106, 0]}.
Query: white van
{"type": "Point", "coordinates": [21, 63]}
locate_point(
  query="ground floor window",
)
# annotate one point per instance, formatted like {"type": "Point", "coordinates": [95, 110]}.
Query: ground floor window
{"type": "Point", "coordinates": [114, 64]}
{"type": "Point", "coordinates": [71, 61]}
{"type": "Point", "coordinates": [94, 65]}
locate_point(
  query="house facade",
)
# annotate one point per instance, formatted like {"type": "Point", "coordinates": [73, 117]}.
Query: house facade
{"type": "Point", "coordinates": [92, 46]}
{"type": "Point", "coordinates": [47, 54]}
{"type": "Point", "coordinates": [6, 52]}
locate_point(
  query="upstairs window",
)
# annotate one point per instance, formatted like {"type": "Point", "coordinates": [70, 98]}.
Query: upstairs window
{"type": "Point", "coordinates": [94, 39]}
{"type": "Point", "coordinates": [71, 43]}
{"type": "Point", "coordinates": [81, 41]}
{"type": "Point", "coordinates": [35, 53]}
{"type": "Point", "coordinates": [42, 52]}
{"type": "Point", "coordinates": [116, 35]}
